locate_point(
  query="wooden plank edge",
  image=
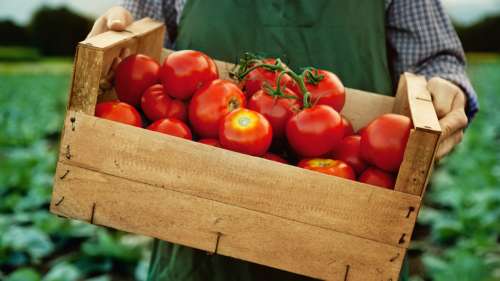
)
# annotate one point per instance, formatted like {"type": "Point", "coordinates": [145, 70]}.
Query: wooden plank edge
{"type": "Point", "coordinates": [295, 257]}
{"type": "Point", "coordinates": [110, 39]}
{"type": "Point", "coordinates": [331, 218]}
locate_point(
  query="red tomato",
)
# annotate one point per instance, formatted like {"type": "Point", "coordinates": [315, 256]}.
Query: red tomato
{"type": "Point", "coordinates": [315, 131]}
{"type": "Point", "coordinates": [274, 157]}
{"type": "Point", "coordinates": [276, 110]}
{"type": "Point", "coordinates": [119, 112]}
{"type": "Point", "coordinates": [171, 127]}
{"type": "Point", "coordinates": [349, 151]}
{"type": "Point", "coordinates": [259, 77]}
{"type": "Point", "coordinates": [133, 76]}
{"type": "Point", "coordinates": [328, 91]}
{"type": "Point", "coordinates": [155, 102]}
{"type": "Point", "coordinates": [383, 141]}
{"type": "Point", "coordinates": [329, 167]}
{"type": "Point", "coordinates": [211, 103]}
{"type": "Point", "coordinates": [375, 176]}
{"type": "Point", "coordinates": [177, 110]}
{"type": "Point", "coordinates": [246, 131]}
{"type": "Point", "coordinates": [212, 142]}
{"type": "Point", "coordinates": [348, 129]}
{"type": "Point", "coordinates": [184, 72]}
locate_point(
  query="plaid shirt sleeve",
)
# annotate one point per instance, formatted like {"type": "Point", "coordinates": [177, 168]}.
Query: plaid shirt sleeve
{"type": "Point", "coordinates": [422, 40]}
{"type": "Point", "coordinates": [162, 10]}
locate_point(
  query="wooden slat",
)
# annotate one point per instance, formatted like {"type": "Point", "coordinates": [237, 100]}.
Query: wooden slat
{"type": "Point", "coordinates": [86, 77]}
{"type": "Point", "coordinates": [417, 162]}
{"type": "Point", "coordinates": [95, 58]}
{"type": "Point", "coordinates": [414, 100]}
{"type": "Point", "coordinates": [111, 39]}
{"type": "Point", "coordinates": [250, 182]}
{"type": "Point", "coordinates": [243, 233]}
{"type": "Point", "coordinates": [362, 107]}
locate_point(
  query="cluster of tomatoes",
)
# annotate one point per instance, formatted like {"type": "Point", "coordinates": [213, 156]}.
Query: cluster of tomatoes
{"type": "Point", "coordinates": [272, 112]}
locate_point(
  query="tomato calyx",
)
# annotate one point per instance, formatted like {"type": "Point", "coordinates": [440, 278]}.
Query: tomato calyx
{"type": "Point", "coordinates": [250, 62]}
{"type": "Point", "coordinates": [312, 75]}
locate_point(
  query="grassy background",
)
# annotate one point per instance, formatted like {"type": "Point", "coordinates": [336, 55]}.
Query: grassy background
{"type": "Point", "coordinates": [457, 238]}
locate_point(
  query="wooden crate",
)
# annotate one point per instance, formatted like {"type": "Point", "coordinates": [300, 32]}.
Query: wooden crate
{"type": "Point", "coordinates": [232, 204]}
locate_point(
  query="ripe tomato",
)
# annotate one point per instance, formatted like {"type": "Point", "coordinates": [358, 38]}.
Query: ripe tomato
{"type": "Point", "coordinates": [349, 151]}
{"type": "Point", "coordinates": [314, 131]}
{"type": "Point", "coordinates": [276, 110]}
{"type": "Point", "coordinates": [155, 102]}
{"type": "Point", "coordinates": [383, 141]}
{"type": "Point", "coordinates": [259, 77]}
{"type": "Point", "coordinates": [348, 129]}
{"type": "Point", "coordinates": [246, 131]}
{"type": "Point", "coordinates": [328, 91]}
{"type": "Point", "coordinates": [177, 110]}
{"type": "Point", "coordinates": [183, 72]}
{"type": "Point", "coordinates": [211, 103]}
{"type": "Point", "coordinates": [378, 177]}
{"type": "Point", "coordinates": [133, 76]}
{"type": "Point", "coordinates": [119, 112]}
{"type": "Point", "coordinates": [274, 157]}
{"type": "Point", "coordinates": [171, 127]}
{"type": "Point", "coordinates": [328, 166]}
{"type": "Point", "coordinates": [212, 142]}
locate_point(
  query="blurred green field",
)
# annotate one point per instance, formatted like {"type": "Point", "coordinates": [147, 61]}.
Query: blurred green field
{"type": "Point", "coordinates": [462, 209]}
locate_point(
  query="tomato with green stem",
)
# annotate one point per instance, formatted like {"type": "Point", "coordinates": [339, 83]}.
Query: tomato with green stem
{"type": "Point", "coordinates": [277, 105]}
{"type": "Point", "coordinates": [211, 103]}
{"type": "Point", "coordinates": [246, 131]}
{"type": "Point", "coordinates": [256, 79]}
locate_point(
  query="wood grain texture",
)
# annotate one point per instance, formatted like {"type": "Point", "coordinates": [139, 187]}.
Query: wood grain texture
{"type": "Point", "coordinates": [244, 234]}
{"type": "Point", "coordinates": [86, 77]}
{"type": "Point", "coordinates": [417, 162]}
{"type": "Point", "coordinates": [96, 56]}
{"type": "Point", "coordinates": [250, 182]}
{"type": "Point", "coordinates": [414, 100]}
{"type": "Point", "coordinates": [137, 29]}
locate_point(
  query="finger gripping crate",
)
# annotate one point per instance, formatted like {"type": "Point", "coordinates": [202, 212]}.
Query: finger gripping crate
{"type": "Point", "coordinates": [227, 203]}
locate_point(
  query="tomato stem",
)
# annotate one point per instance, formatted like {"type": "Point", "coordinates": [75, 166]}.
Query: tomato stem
{"type": "Point", "coordinates": [248, 59]}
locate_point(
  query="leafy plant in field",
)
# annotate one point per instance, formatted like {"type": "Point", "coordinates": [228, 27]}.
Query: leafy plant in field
{"type": "Point", "coordinates": [463, 206]}
{"type": "Point", "coordinates": [34, 244]}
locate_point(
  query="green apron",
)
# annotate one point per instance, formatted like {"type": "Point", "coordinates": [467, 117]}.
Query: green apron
{"type": "Point", "coordinates": [346, 37]}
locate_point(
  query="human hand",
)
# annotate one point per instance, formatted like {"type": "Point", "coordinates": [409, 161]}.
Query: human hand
{"type": "Point", "coordinates": [116, 19]}
{"type": "Point", "coordinates": [449, 101]}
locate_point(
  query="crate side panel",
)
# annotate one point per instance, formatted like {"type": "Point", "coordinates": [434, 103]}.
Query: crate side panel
{"type": "Point", "coordinates": [237, 179]}
{"type": "Point", "coordinates": [196, 222]}
{"type": "Point", "coordinates": [362, 107]}
{"type": "Point", "coordinates": [417, 162]}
